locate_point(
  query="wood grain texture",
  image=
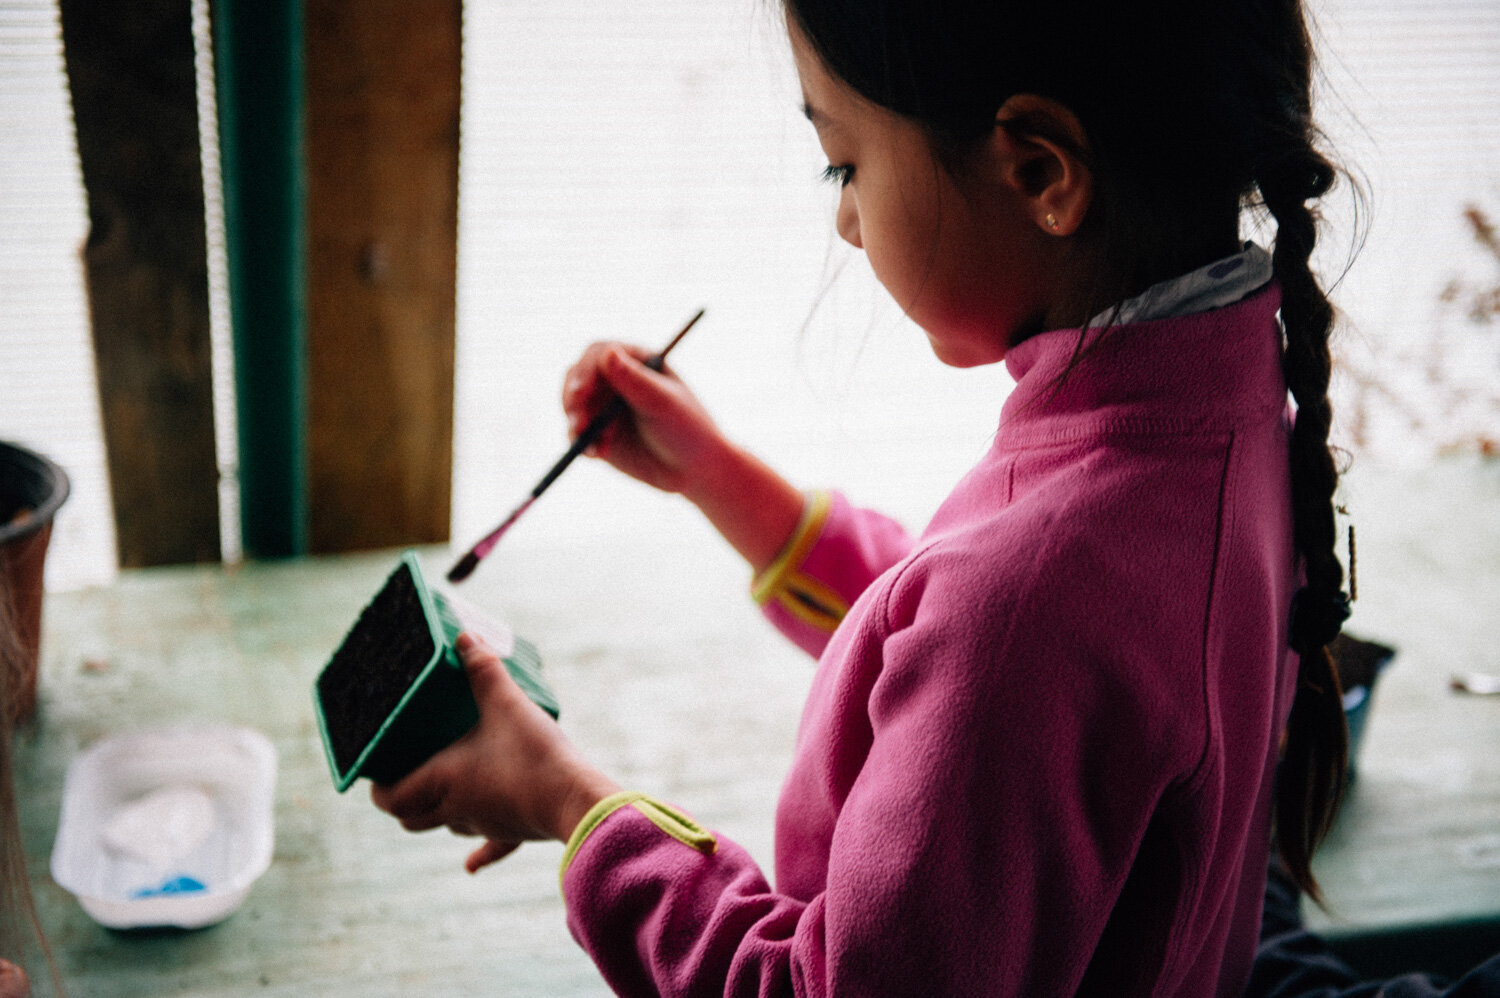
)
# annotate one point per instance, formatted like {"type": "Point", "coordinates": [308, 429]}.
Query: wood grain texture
{"type": "Point", "coordinates": [130, 70]}
{"type": "Point", "coordinates": [382, 147]}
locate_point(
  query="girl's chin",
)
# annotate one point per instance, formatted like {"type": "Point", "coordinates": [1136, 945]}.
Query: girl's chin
{"type": "Point", "coordinates": [966, 351]}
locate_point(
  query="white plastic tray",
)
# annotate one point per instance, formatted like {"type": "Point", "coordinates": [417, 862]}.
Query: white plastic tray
{"type": "Point", "coordinates": [166, 827]}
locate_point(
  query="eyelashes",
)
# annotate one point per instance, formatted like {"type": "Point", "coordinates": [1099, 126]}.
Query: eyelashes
{"type": "Point", "coordinates": [840, 175]}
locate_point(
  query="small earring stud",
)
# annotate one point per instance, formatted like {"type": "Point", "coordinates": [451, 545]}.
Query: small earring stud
{"type": "Point", "coordinates": [1051, 221]}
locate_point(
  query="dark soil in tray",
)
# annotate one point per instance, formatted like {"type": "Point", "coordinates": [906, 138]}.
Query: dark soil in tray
{"type": "Point", "coordinates": [374, 666]}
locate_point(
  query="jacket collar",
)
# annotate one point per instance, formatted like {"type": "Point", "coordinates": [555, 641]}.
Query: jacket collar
{"type": "Point", "coordinates": [1207, 370]}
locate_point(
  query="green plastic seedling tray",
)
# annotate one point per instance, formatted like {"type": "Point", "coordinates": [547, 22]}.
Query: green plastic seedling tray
{"type": "Point", "coordinates": [394, 692]}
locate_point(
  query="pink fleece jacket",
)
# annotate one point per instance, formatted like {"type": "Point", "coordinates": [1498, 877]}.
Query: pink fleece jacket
{"type": "Point", "coordinates": [1037, 752]}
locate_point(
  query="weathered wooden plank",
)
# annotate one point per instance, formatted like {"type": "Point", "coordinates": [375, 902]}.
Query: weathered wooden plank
{"type": "Point", "coordinates": [382, 152]}
{"type": "Point", "coordinates": [130, 70]}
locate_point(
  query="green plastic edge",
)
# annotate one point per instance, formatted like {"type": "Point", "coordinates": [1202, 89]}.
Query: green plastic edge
{"type": "Point", "coordinates": [343, 780]}
{"type": "Point", "coordinates": [524, 665]}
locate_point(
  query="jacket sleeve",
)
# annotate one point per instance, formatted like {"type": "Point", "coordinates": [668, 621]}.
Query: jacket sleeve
{"type": "Point", "coordinates": [942, 871]}
{"type": "Point", "coordinates": [665, 908]}
{"type": "Point", "coordinates": [834, 554]}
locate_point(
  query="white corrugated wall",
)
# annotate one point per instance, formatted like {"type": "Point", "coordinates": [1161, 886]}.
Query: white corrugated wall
{"type": "Point", "coordinates": [624, 165]}
{"type": "Point", "coordinates": [47, 394]}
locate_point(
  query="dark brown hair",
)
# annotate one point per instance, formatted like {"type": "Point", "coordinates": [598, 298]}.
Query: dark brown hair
{"type": "Point", "coordinates": [1192, 111]}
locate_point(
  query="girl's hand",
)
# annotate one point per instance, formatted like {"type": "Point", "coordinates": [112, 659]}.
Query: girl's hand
{"type": "Point", "coordinates": [668, 440]}
{"type": "Point", "coordinates": [515, 777]}
{"type": "Point", "coordinates": [667, 436]}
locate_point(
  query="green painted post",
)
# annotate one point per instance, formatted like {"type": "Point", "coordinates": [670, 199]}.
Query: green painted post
{"type": "Point", "coordinates": [258, 59]}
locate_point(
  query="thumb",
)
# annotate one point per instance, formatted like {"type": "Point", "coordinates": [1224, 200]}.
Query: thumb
{"type": "Point", "coordinates": [481, 664]}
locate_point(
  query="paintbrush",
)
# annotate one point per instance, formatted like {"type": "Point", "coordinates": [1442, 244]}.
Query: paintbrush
{"type": "Point", "coordinates": [596, 426]}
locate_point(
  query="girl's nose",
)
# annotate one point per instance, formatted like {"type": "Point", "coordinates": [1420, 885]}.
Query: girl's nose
{"type": "Point", "coordinates": [847, 219]}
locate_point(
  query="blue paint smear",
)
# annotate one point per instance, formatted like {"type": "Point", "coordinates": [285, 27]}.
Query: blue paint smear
{"type": "Point", "coordinates": [177, 885]}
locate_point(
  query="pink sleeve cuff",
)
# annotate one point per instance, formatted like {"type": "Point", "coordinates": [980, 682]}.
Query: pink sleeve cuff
{"type": "Point", "coordinates": [785, 585]}
{"type": "Point", "coordinates": [833, 556]}
{"type": "Point", "coordinates": [671, 821]}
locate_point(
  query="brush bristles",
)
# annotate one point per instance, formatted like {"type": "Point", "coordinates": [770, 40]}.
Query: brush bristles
{"type": "Point", "coordinates": [464, 568]}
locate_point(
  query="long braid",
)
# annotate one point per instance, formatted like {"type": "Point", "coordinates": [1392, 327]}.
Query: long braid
{"type": "Point", "coordinates": [1294, 173]}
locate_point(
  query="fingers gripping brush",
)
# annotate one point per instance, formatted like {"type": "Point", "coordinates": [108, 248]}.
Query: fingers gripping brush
{"type": "Point", "coordinates": [591, 433]}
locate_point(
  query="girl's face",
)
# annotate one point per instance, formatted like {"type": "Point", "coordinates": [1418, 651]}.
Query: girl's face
{"type": "Point", "coordinates": [963, 257]}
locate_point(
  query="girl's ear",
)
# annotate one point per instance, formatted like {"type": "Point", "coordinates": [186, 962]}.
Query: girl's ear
{"type": "Point", "coordinates": [1041, 151]}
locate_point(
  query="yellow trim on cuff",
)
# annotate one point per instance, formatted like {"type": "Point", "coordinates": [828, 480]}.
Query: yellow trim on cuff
{"type": "Point", "coordinates": [678, 825]}
{"type": "Point", "coordinates": [593, 819]}
{"type": "Point", "coordinates": [807, 599]}
{"type": "Point", "coordinates": [668, 819]}
{"type": "Point", "coordinates": [810, 601]}
{"type": "Point", "coordinates": [809, 528]}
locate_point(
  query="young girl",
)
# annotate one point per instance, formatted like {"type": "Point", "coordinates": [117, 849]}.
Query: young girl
{"type": "Point", "coordinates": [1037, 756]}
